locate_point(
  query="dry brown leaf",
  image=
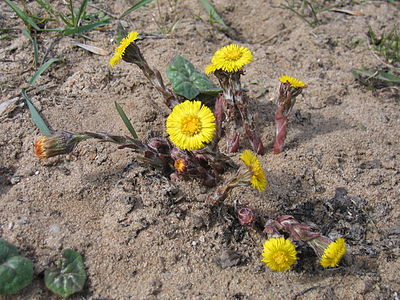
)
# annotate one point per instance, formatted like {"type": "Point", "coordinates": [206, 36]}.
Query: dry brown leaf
{"type": "Point", "coordinates": [93, 49]}
{"type": "Point", "coordinates": [348, 12]}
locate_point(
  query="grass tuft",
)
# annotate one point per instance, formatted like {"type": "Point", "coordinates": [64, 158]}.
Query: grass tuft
{"type": "Point", "coordinates": [388, 44]}
{"type": "Point", "coordinates": [306, 10]}
{"type": "Point", "coordinates": [376, 79]}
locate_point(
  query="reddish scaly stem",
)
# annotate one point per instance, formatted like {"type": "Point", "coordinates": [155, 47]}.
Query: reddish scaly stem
{"type": "Point", "coordinates": [281, 127]}
{"type": "Point", "coordinates": [233, 143]}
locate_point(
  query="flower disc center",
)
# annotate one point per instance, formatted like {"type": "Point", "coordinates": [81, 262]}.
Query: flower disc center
{"type": "Point", "coordinates": [280, 257]}
{"type": "Point", "coordinates": [191, 125]}
{"type": "Point", "coordinates": [234, 54]}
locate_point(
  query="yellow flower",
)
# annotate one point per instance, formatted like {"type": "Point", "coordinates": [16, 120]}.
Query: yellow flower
{"type": "Point", "coordinates": [231, 58]}
{"type": "Point", "coordinates": [258, 176]}
{"type": "Point", "coordinates": [125, 42]}
{"type": "Point", "coordinates": [279, 254]}
{"type": "Point", "coordinates": [210, 69]}
{"type": "Point", "coordinates": [294, 82]}
{"type": "Point", "coordinates": [333, 253]}
{"type": "Point", "coordinates": [190, 125]}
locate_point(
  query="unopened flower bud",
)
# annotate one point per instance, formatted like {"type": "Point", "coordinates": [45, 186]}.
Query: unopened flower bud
{"type": "Point", "coordinates": [161, 146]}
{"type": "Point", "coordinates": [60, 142]}
{"type": "Point", "coordinates": [181, 165]}
{"type": "Point", "coordinates": [246, 216]}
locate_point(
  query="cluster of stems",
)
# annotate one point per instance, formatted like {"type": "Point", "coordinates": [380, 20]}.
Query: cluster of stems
{"type": "Point", "coordinates": [232, 112]}
{"type": "Point", "coordinates": [241, 178]}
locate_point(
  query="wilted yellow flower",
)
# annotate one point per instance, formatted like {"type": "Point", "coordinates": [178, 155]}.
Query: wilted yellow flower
{"type": "Point", "coordinates": [60, 142]}
{"type": "Point", "coordinates": [294, 82]}
{"type": "Point", "coordinates": [231, 58]}
{"type": "Point", "coordinates": [279, 254]}
{"type": "Point", "coordinates": [125, 42]}
{"type": "Point", "coordinates": [333, 253]}
{"type": "Point", "coordinates": [258, 180]}
{"type": "Point", "coordinates": [191, 125]}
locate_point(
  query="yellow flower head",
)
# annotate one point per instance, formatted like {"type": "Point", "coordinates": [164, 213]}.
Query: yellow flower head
{"type": "Point", "coordinates": [333, 253]}
{"type": "Point", "coordinates": [191, 125]}
{"type": "Point", "coordinates": [294, 82]}
{"type": "Point", "coordinates": [279, 254]}
{"type": "Point", "coordinates": [258, 176]}
{"type": "Point", "coordinates": [231, 58]}
{"type": "Point", "coordinates": [125, 42]}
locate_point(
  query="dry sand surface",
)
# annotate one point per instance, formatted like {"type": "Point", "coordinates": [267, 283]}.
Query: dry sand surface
{"type": "Point", "coordinates": [145, 236]}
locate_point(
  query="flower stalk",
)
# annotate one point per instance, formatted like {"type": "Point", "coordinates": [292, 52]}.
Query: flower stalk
{"type": "Point", "coordinates": [289, 89]}
{"type": "Point", "coordinates": [129, 52]}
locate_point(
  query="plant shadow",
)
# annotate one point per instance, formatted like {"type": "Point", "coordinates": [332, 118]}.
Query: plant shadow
{"type": "Point", "coordinates": [302, 125]}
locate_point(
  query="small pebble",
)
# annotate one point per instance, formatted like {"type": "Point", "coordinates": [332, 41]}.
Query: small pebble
{"type": "Point", "coordinates": [55, 228]}
{"type": "Point", "coordinates": [15, 179]}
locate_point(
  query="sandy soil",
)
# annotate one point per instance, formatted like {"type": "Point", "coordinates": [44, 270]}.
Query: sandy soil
{"type": "Point", "coordinates": [144, 236]}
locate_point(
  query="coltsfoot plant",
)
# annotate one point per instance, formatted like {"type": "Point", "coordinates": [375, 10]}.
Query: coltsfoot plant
{"type": "Point", "coordinates": [69, 277]}
{"type": "Point", "coordinates": [16, 272]}
{"type": "Point", "coordinates": [280, 254]}
{"type": "Point", "coordinates": [289, 89]}
{"type": "Point", "coordinates": [191, 150]}
{"type": "Point", "coordinates": [279, 250]}
{"type": "Point", "coordinates": [232, 107]}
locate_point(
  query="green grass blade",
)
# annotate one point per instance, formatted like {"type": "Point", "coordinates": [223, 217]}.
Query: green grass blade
{"type": "Point", "coordinates": [80, 29]}
{"type": "Point", "coordinates": [36, 117]}
{"type": "Point", "coordinates": [65, 20]}
{"type": "Point", "coordinates": [35, 45]}
{"type": "Point", "coordinates": [42, 68]}
{"type": "Point", "coordinates": [124, 118]}
{"type": "Point", "coordinates": [120, 33]}
{"type": "Point", "coordinates": [364, 74]}
{"type": "Point", "coordinates": [22, 15]}
{"type": "Point", "coordinates": [213, 15]}
{"type": "Point", "coordinates": [388, 77]}
{"type": "Point", "coordinates": [81, 11]}
{"type": "Point", "coordinates": [137, 5]}
{"type": "Point", "coordinates": [71, 9]}
{"type": "Point", "coordinates": [46, 6]}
